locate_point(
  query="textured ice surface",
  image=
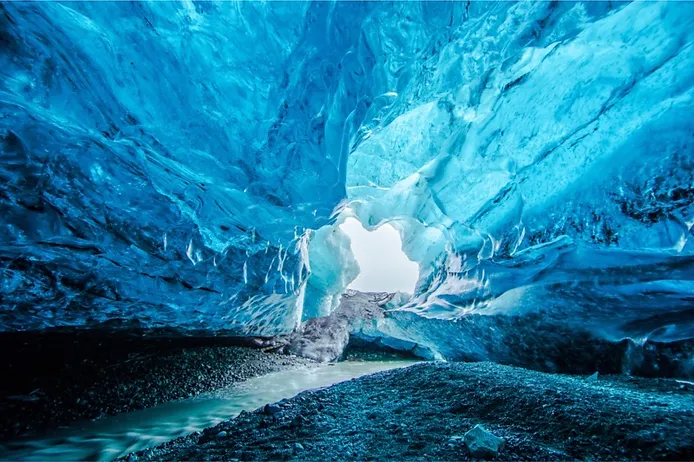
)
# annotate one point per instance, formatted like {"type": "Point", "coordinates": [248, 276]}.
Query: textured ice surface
{"type": "Point", "coordinates": [169, 162]}
{"type": "Point", "coordinates": [161, 161]}
{"type": "Point", "coordinates": [333, 268]}
{"type": "Point", "coordinates": [547, 150]}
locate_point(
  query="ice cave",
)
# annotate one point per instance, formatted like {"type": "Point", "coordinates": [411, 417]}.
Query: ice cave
{"type": "Point", "coordinates": [347, 230]}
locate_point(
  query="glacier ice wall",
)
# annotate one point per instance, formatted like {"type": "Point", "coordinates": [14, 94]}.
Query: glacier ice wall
{"type": "Point", "coordinates": [169, 162]}
{"type": "Point", "coordinates": [542, 120]}
{"type": "Point", "coordinates": [162, 161]}
{"type": "Point", "coordinates": [333, 267]}
{"type": "Point", "coordinates": [553, 181]}
{"type": "Point", "coordinates": [547, 150]}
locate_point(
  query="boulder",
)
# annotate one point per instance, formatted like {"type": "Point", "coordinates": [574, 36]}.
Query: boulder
{"type": "Point", "coordinates": [483, 444]}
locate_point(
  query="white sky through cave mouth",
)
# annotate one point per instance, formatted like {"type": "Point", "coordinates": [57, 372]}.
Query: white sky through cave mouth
{"type": "Point", "coordinates": [384, 266]}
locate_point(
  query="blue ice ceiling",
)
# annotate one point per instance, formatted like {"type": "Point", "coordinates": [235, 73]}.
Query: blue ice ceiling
{"type": "Point", "coordinates": [168, 164]}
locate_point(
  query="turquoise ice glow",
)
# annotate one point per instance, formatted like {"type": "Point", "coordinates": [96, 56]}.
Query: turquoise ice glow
{"type": "Point", "coordinates": [172, 164]}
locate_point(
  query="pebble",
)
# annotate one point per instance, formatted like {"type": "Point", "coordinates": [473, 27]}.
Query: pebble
{"type": "Point", "coordinates": [298, 421]}
{"type": "Point", "coordinates": [271, 409]}
{"type": "Point", "coordinates": [222, 434]}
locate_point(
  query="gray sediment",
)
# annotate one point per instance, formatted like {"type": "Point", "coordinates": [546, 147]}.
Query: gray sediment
{"type": "Point", "coordinates": [423, 411]}
{"type": "Point", "coordinates": [62, 377]}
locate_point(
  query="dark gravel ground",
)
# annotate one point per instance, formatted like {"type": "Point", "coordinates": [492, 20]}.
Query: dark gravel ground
{"type": "Point", "coordinates": [418, 413]}
{"type": "Point", "coordinates": [54, 378]}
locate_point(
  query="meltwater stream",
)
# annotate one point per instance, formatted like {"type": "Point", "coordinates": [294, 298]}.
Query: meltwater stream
{"type": "Point", "coordinates": [113, 437]}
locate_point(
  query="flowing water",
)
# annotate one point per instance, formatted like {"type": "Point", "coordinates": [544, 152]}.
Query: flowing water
{"type": "Point", "coordinates": [113, 437]}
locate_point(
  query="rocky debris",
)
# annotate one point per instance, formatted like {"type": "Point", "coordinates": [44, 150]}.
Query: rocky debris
{"type": "Point", "coordinates": [483, 444]}
{"type": "Point", "coordinates": [59, 378]}
{"type": "Point", "coordinates": [325, 339]}
{"type": "Point", "coordinates": [453, 441]}
{"type": "Point", "coordinates": [412, 413]}
{"type": "Point", "coordinates": [298, 421]}
{"type": "Point", "coordinates": [271, 409]}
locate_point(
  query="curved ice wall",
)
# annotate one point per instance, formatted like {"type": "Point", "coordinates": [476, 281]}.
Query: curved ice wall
{"type": "Point", "coordinates": [162, 160]}
{"type": "Point", "coordinates": [551, 146]}
{"type": "Point", "coordinates": [166, 161]}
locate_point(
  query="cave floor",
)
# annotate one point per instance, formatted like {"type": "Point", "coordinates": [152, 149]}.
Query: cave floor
{"type": "Point", "coordinates": [421, 413]}
{"type": "Point", "coordinates": [55, 378]}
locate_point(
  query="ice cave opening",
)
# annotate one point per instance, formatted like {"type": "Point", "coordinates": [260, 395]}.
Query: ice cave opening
{"type": "Point", "coordinates": [225, 173]}
{"type": "Point", "coordinates": [383, 266]}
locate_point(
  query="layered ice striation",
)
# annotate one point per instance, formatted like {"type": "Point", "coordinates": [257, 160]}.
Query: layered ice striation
{"type": "Point", "coordinates": [162, 161]}
{"type": "Point", "coordinates": [183, 164]}
{"type": "Point", "coordinates": [551, 147]}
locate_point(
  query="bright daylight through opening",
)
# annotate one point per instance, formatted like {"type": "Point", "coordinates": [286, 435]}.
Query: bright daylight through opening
{"type": "Point", "coordinates": [384, 267]}
{"type": "Point", "coordinates": [209, 207]}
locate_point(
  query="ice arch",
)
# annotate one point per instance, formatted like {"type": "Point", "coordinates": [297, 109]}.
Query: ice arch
{"type": "Point", "coordinates": [384, 267]}
{"type": "Point", "coordinates": [536, 157]}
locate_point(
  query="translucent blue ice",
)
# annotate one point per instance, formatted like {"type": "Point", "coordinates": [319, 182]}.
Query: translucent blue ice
{"type": "Point", "coordinates": [173, 164]}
